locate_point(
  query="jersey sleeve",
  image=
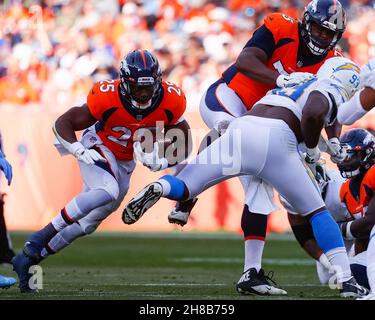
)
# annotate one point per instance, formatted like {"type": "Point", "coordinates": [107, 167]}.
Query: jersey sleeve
{"type": "Point", "coordinates": [94, 102]}
{"type": "Point", "coordinates": [179, 109]}
{"type": "Point", "coordinates": [262, 39]}
{"type": "Point", "coordinates": [370, 181]}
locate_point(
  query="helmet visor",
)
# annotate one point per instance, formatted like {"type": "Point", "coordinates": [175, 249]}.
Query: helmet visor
{"type": "Point", "coordinates": [142, 93]}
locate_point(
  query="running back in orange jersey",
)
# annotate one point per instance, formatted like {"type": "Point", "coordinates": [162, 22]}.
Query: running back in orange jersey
{"type": "Point", "coordinates": [357, 201]}
{"type": "Point", "coordinates": [118, 120]}
{"type": "Point", "coordinates": [279, 37]}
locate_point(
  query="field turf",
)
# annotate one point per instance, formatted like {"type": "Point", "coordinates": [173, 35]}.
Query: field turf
{"type": "Point", "coordinates": [167, 266]}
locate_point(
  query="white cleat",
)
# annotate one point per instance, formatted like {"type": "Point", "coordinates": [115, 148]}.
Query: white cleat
{"type": "Point", "coordinates": [143, 201]}
{"type": "Point", "coordinates": [370, 296]}
{"type": "Point", "coordinates": [180, 214]}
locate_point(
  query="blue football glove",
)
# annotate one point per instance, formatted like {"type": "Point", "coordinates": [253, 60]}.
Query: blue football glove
{"type": "Point", "coordinates": [6, 168]}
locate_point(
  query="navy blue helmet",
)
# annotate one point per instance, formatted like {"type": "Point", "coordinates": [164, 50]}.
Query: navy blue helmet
{"type": "Point", "coordinates": [359, 145]}
{"type": "Point", "coordinates": [328, 14]}
{"type": "Point", "coordinates": [141, 78]}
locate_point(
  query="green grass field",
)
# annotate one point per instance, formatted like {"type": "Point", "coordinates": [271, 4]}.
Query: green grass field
{"type": "Point", "coordinates": [167, 266]}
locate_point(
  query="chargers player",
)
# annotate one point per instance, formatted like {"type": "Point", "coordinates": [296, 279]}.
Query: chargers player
{"type": "Point", "coordinates": [6, 282]}
{"type": "Point", "coordinates": [264, 144]}
{"type": "Point", "coordinates": [115, 112]}
{"type": "Point", "coordinates": [363, 101]}
{"type": "Point", "coordinates": [282, 52]}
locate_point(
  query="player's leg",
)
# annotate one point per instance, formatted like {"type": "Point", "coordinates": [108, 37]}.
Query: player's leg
{"type": "Point", "coordinates": [223, 159]}
{"type": "Point", "coordinates": [258, 205]}
{"type": "Point", "coordinates": [101, 188]}
{"type": "Point", "coordinates": [90, 222]}
{"type": "Point", "coordinates": [218, 107]}
{"type": "Point", "coordinates": [6, 250]}
{"type": "Point", "coordinates": [371, 265]}
{"type": "Point", "coordinates": [285, 170]}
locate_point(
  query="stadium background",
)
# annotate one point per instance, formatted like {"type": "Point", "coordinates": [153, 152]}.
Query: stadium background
{"type": "Point", "coordinates": [51, 52]}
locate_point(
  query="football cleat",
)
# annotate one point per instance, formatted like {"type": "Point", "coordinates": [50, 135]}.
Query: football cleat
{"type": "Point", "coordinates": [351, 289]}
{"type": "Point", "coordinates": [180, 214]}
{"type": "Point", "coordinates": [7, 282]}
{"type": "Point", "coordinates": [253, 282]}
{"type": "Point", "coordinates": [21, 265]}
{"type": "Point", "coordinates": [142, 202]}
{"type": "Point", "coordinates": [370, 296]}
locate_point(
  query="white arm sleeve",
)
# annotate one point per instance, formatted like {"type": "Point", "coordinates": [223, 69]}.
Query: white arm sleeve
{"type": "Point", "coordinates": [351, 111]}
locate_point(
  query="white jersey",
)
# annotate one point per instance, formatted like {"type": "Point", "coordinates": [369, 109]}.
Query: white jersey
{"type": "Point", "coordinates": [294, 98]}
{"type": "Point", "coordinates": [331, 197]}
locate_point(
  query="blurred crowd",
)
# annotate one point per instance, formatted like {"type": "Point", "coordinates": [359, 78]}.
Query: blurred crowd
{"type": "Point", "coordinates": [52, 51]}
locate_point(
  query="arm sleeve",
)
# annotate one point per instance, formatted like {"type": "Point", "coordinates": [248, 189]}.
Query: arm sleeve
{"type": "Point", "coordinates": [351, 111]}
{"type": "Point", "coordinates": [263, 39]}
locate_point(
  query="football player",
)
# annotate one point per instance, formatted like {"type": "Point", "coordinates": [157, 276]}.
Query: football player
{"type": "Point", "coordinates": [265, 143]}
{"type": "Point", "coordinates": [5, 166]}
{"type": "Point", "coordinates": [363, 101]}
{"type": "Point", "coordinates": [348, 193]}
{"type": "Point", "coordinates": [358, 194]}
{"type": "Point", "coordinates": [116, 113]}
{"type": "Point", "coordinates": [282, 52]}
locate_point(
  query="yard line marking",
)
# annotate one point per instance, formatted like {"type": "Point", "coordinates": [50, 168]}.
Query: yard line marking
{"type": "Point", "coordinates": [277, 262]}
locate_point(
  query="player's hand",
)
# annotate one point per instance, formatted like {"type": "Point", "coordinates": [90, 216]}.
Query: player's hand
{"type": "Point", "coordinates": [88, 156]}
{"type": "Point", "coordinates": [368, 75]}
{"type": "Point", "coordinates": [6, 168]}
{"type": "Point", "coordinates": [151, 160]}
{"type": "Point", "coordinates": [293, 79]}
{"type": "Point", "coordinates": [338, 152]}
{"type": "Point", "coordinates": [321, 175]}
{"type": "Point", "coordinates": [312, 155]}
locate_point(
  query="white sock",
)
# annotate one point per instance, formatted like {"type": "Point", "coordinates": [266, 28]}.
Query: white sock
{"type": "Point", "coordinates": [371, 260]}
{"type": "Point", "coordinates": [340, 261]}
{"type": "Point", "coordinates": [63, 239]}
{"type": "Point", "coordinates": [253, 254]}
{"type": "Point", "coordinates": [166, 186]}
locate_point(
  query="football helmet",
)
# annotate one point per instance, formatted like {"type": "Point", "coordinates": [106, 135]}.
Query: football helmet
{"type": "Point", "coordinates": [327, 14]}
{"type": "Point", "coordinates": [344, 73]}
{"type": "Point", "coordinates": [140, 77]}
{"type": "Point", "coordinates": [360, 149]}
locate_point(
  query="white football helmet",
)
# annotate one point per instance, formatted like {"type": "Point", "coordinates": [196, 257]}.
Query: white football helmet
{"type": "Point", "coordinates": [344, 73]}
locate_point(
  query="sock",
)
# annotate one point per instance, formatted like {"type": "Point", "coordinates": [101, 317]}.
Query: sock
{"type": "Point", "coordinates": [62, 239]}
{"type": "Point", "coordinates": [80, 206]}
{"type": "Point", "coordinates": [41, 237]}
{"type": "Point", "coordinates": [173, 188]}
{"type": "Point", "coordinates": [371, 260]}
{"type": "Point", "coordinates": [254, 227]}
{"type": "Point", "coordinates": [329, 239]}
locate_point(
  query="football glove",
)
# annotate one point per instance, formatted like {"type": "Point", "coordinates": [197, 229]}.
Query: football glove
{"type": "Point", "coordinates": [151, 160]}
{"type": "Point", "coordinates": [312, 155]}
{"type": "Point", "coordinates": [88, 156]}
{"type": "Point", "coordinates": [338, 154]}
{"type": "Point", "coordinates": [293, 79]}
{"type": "Point", "coordinates": [6, 168]}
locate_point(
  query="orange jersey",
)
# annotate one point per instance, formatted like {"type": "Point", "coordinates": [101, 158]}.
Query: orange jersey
{"type": "Point", "coordinates": [355, 200]}
{"type": "Point", "coordinates": [117, 122]}
{"type": "Point", "coordinates": [284, 57]}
